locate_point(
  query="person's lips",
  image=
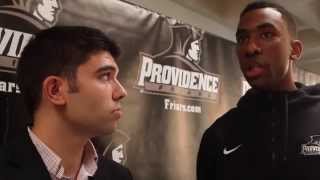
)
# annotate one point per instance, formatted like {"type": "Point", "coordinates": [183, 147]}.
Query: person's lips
{"type": "Point", "coordinates": [117, 112]}
{"type": "Point", "coordinates": [254, 71]}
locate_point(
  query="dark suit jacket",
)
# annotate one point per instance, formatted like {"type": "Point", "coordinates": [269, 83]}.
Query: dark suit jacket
{"type": "Point", "coordinates": [19, 159]}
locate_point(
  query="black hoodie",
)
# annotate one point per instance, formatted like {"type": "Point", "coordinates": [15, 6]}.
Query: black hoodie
{"type": "Point", "coordinates": [267, 136]}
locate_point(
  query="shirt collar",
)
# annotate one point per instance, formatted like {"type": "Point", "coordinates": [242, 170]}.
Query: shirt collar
{"type": "Point", "coordinates": [54, 163]}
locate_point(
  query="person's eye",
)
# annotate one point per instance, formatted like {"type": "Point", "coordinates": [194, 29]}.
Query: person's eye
{"type": "Point", "coordinates": [267, 35]}
{"type": "Point", "coordinates": [241, 39]}
{"type": "Point", "coordinates": [105, 76]}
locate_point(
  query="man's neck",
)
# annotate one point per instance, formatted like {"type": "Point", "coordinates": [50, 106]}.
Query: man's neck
{"type": "Point", "coordinates": [286, 84]}
{"type": "Point", "coordinates": [66, 144]}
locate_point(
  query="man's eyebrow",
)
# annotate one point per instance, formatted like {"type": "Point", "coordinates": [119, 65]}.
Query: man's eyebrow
{"type": "Point", "coordinates": [260, 26]}
{"type": "Point", "coordinates": [265, 25]}
{"type": "Point", "coordinates": [106, 68]}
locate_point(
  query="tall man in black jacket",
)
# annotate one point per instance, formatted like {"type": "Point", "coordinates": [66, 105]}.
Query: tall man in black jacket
{"type": "Point", "coordinates": [68, 78]}
{"type": "Point", "coordinates": [274, 132]}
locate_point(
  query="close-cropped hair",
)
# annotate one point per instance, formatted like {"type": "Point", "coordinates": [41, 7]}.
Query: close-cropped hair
{"type": "Point", "coordinates": [287, 16]}
{"type": "Point", "coordinates": [58, 51]}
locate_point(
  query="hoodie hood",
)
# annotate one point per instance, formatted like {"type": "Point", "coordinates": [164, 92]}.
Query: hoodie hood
{"type": "Point", "coordinates": [302, 94]}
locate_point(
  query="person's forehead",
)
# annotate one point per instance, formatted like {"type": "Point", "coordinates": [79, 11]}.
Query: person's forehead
{"type": "Point", "coordinates": [101, 59]}
{"type": "Point", "coordinates": [254, 18]}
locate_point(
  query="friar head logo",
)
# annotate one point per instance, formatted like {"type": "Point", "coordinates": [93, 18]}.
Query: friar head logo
{"type": "Point", "coordinates": [194, 51]}
{"type": "Point", "coordinates": [45, 11]}
{"type": "Point", "coordinates": [193, 46]}
{"type": "Point", "coordinates": [112, 147]}
{"type": "Point", "coordinates": [117, 147]}
{"type": "Point", "coordinates": [185, 44]}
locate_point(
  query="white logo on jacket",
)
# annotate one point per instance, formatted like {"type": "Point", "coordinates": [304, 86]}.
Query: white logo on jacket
{"type": "Point", "coordinates": [312, 147]}
{"type": "Point", "coordinates": [227, 152]}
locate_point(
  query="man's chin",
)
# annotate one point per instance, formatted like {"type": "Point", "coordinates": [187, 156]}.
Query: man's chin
{"type": "Point", "coordinates": [258, 84]}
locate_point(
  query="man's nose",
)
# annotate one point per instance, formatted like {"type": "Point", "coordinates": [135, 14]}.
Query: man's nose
{"type": "Point", "coordinates": [119, 92]}
{"type": "Point", "coordinates": [55, 4]}
{"type": "Point", "coordinates": [252, 49]}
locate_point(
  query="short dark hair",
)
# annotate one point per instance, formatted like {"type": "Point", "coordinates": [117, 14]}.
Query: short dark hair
{"type": "Point", "coordinates": [58, 51]}
{"type": "Point", "coordinates": [287, 16]}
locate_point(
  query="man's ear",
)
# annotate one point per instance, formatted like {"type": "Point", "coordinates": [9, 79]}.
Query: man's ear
{"type": "Point", "coordinates": [54, 89]}
{"type": "Point", "coordinates": [296, 50]}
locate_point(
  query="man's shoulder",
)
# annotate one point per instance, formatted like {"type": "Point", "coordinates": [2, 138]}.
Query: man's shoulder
{"type": "Point", "coordinates": [226, 120]}
{"type": "Point", "coordinates": [113, 170]}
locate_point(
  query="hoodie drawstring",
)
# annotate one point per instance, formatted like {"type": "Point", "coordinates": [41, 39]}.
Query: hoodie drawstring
{"type": "Point", "coordinates": [286, 128]}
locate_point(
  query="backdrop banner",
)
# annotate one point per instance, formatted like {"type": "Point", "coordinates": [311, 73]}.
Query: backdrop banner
{"type": "Point", "coordinates": [179, 79]}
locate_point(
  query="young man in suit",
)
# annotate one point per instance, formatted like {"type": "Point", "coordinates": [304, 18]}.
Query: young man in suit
{"type": "Point", "coordinates": [68, 78]}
